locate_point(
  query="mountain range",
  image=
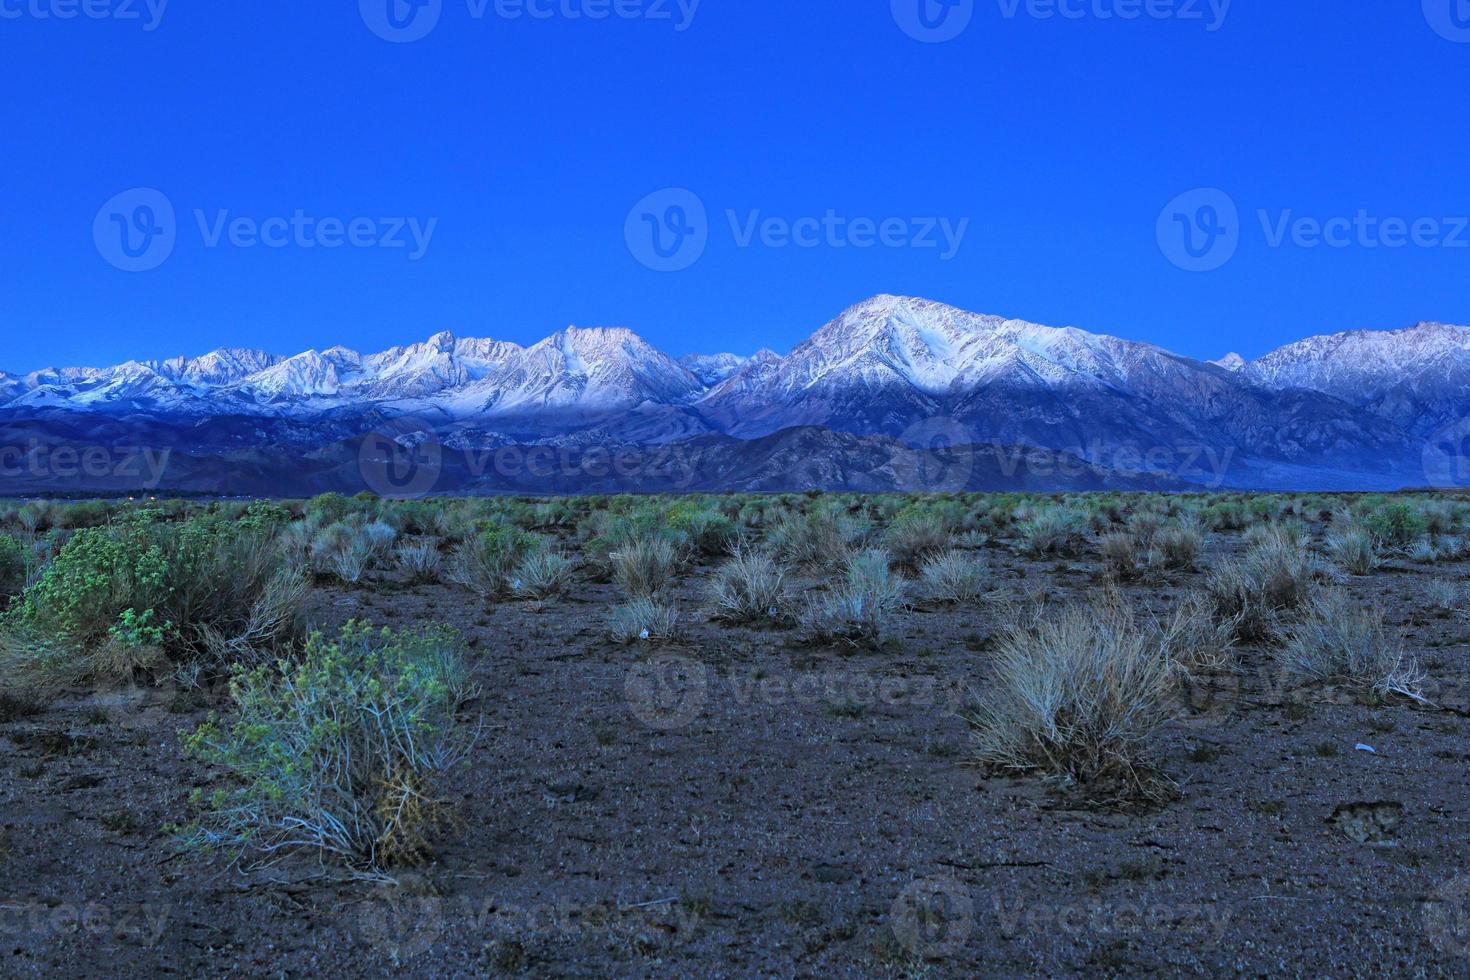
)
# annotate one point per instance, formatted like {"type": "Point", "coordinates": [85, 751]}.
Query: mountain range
{"type": "Point", "coordinates": [895, 393]}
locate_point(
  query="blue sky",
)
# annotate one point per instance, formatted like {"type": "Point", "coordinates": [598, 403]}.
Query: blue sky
{"type": "Point", "coordinates": [523, 144]}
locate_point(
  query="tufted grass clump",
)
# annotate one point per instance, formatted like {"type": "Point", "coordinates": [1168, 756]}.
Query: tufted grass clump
{"type": "Point", "coordinates": [954, 577]}
{"type": "Point", "coordinates": [643, 620]}
{"type": "Point", "coordinates": [751, 587]}
{"type": "Point", "coordinates": [645, 566]}
{"type": "Point", "coordinates": [858, 612]}
{"type": "Point", "coordinates": [1339, 639]}
{"type": "Point", "coordinates": [542, 574]}
{"type": "Point", "coordinates": [343, 753]}
{"type": "Point", "coordinates": [1079, 695]}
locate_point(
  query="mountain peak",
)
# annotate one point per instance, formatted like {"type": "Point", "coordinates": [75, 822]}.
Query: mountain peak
{"type": "Point", "coordinates": [1231, 362]}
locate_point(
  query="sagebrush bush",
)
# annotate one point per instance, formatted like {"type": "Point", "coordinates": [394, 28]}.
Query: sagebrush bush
{"type": "Point", "coordinates": [1178, 545]}
{"type": "Point", "coordinates": [858, 612]}
{"type": "Point", "coordinates": [1352, 549]}
{"type": "Point", "coordinates": [1397, 525]}
{"type": "Point", "coordinates": [1078, 695]}
{"type": "Point", "coordinates": [704, 527]}
{"type": "Point", "coordinates": [819, 540]}
{"type": "Point", "coordinates": [750, 587]}
{"type": "Point", "coordinates": [344, 752]}
{"type": "Point", "coordinates": [954, 577]}
{"type": "Point", "coordinates": [419, 560]}
{"type": "Point", "coordinates": [1197, 641]}
{"type": "Point", "coordinates": [483, 563]}
{"type": "Point", "coordinates": [1052, 531]}
{"type": "Point", "coordinates": [1121, 554]}
{"type": "Point", "coordinates": [1274, 576]}
{"type": "Point", "coordinates": [642, 620]}
{"type": "Point", "coordinates": [1340, 639]}
{"type": "Point", "coordinates": [916, 534]}
{"type": "Point", "coordinates": [645, 566]}
{"type": "Point", "coordinates": [542, 574]}
{"type": "Point", "coordinates": [1445, 597]}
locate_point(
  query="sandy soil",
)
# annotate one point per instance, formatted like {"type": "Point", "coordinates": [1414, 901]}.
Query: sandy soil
{"type": "Point", "coordinates": [737, 804]}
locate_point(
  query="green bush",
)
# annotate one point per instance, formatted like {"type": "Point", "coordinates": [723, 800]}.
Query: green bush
{"type": "Point", "coordinates": [344, 752]}
{"type": "Point", "coordinates": [98, 575]}
{"type": "Point", "coordinates": [1396, 525]}
{"type": "Point", "coordinates": [485, 561]}
{"type": "Point", "coordinates": [202, 585]}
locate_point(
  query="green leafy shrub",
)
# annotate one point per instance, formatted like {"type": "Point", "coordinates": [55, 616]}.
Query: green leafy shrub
{"type": "Point", "coordinates": [344, 752]}
{"type": "Point", "coordinates": [1396, 525]}
{"type": "Point", "coordinates": [98, 575]}
{"type": "Point", "coordinates": [706, 528]}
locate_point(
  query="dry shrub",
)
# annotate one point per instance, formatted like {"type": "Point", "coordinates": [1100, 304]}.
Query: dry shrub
{"type": "Point", "coordinates": [859, 611]}
{"type": "Point", "coordinates": [1078, 695]}
{"type": "Point", "coordinates": [643, 620]}
{"type": "Point", "coordinates": [1178, 545]}
{"type": "Point", "coordinates": [542, 574]}
{"type": "Point", "coordinates": [645, 566]}
{"type": "Point", "coordinates": [954, 577]}
{"type": "Point", "coordinates": [1341, 640]}
{"type": "Point", "coordinates": [750, 587]}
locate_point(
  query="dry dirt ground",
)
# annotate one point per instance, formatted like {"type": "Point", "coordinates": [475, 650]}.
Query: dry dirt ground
{"type": "Point", "coordinates": [737, 804]}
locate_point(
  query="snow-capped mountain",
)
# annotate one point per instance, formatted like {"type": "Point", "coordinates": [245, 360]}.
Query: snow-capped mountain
{"type": "Point", "coordinates": [711, 369]}
{"type": "Point", "coordinates": [1339, 410]}
{"type": "Point", "coordinates": [1418, 378]}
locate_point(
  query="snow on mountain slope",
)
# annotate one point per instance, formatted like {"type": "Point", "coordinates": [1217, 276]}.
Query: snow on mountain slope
{"type": "Point", "coordinates": [1360, 401]}
{"type": "Point", "coordinates": [1418, 377]}
{"type": "Point", "coordinates": [711, 369]}
{"type": "Point", "coordinates": [599, 369]}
